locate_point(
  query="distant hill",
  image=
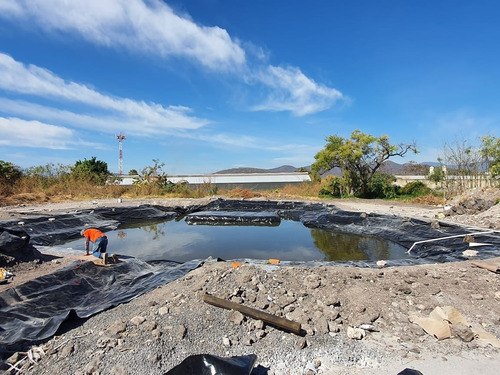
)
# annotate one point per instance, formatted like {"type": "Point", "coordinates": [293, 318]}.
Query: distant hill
{"type": "Point", "coordinates": [389, 167]}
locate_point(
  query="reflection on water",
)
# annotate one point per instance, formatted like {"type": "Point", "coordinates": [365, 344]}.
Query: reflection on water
{"type": "Point", "coordinates": [343, 247]}
{"type": "Point", "coordinates": [290, 241]}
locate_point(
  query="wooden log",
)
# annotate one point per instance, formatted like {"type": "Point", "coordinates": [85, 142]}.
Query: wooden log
{"type": "Point", "coordinates": [282, 323]}
{"type": "Point", "coordinates": [486, 266]}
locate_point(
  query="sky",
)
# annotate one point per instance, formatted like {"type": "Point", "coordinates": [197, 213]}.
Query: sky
{"type": "Point", "coordinates": [206, 85]}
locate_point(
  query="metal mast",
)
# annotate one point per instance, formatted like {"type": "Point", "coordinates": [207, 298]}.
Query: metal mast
{"type": "Point", "coordinates": [120, 138]}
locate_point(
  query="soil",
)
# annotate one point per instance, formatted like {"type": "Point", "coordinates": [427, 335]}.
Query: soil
{"type": "Point", "coordinates": [156, 331]}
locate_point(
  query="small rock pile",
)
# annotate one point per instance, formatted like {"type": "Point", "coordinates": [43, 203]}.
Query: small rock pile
{"type": "Point", "coordinates": [470, 206]}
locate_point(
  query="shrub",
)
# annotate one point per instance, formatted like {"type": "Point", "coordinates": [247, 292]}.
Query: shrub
{"type": "Point", "coordinates": [381, 186]}
{"type": "Point", "coordinates": [415, 189]}
{"type": "Point", "coordinates": [332, 187]}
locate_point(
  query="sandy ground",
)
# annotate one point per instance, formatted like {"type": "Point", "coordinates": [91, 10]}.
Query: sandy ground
{"type": "Point", "coordinates": [327, 301]}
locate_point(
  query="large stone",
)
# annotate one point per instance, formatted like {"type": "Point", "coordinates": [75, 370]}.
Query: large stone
{"type": "Point", "coordinates": [235, 317]}
{"type": "Point", "coordinates": [462, 331]}
{"type": "Point", "coordinates": [355, 333]}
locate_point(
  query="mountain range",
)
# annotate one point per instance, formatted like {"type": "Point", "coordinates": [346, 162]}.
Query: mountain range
{"type": "Point", "coordinates": [388, 167]}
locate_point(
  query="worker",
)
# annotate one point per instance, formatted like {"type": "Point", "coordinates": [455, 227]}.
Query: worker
{"type": "Point", "coordinates": [100, 246]}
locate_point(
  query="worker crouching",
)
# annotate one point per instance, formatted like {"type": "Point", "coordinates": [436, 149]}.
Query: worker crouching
{"type": "Point", "coordinates": [100, 244]}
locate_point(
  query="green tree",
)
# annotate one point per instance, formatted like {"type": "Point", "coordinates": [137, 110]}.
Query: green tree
{"type": "Point", "coordinates": [359, 158]}
{"type": "Point", "coordinates": [9, 173]}
{"type": "Point", "coordinates": [490, 151]}
{"type": "Point", "coordinates": [153, 175]}
{"type": "Point", "coordinates": [93, 170]}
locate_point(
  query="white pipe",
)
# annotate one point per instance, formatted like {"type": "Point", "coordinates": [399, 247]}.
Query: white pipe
{"type": "Point", "coordinates": [445, 238]}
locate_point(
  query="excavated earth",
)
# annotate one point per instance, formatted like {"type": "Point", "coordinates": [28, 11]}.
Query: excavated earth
{"type": "Point", "coordinates": [156, 331]}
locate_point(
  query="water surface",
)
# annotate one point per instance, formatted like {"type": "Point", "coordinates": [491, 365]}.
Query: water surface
{"type": "Point", "coordinates": [290, 241]}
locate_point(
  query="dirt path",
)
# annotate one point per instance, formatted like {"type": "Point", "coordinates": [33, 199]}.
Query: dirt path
{"type": "Point", "coordinates": [156, 331]}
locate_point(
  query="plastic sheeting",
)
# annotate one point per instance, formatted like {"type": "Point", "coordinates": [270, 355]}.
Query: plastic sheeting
{"type": "Point", "coordinates": [57, 229]}
{"type": "Point", "coordinates": [35, 310]}
{"type": "Point", "coordinates": [206, 364]}
{"type": "Point", "coordinates": [233, 218]}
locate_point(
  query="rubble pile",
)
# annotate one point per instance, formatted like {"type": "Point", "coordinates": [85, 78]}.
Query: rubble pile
{"type": "Point", "coordinates": [350, 317]}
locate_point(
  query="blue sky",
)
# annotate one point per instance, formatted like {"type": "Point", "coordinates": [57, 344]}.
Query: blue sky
{"type": "Point", "coordinates": [205, 85]}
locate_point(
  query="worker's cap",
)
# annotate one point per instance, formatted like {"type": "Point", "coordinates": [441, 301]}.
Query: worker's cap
{"type": "Point", "coordinates": [82, 231]}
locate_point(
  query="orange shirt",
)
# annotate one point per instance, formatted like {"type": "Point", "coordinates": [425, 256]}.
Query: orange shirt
{"type": "Point", "coordinates": [93, 234]}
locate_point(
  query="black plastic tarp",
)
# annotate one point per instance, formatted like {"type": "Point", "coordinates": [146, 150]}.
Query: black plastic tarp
{"type": "Point", "coordinates": [207, 364]}
{"type": "Point", "coordinates": [35, 310]}
{"type": "Point", "coordinates": [233, 218]}
{"type": "Point", "coordinates": [60, 228]}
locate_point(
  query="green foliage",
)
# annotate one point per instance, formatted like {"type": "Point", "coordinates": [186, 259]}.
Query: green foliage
{"type": "Point", "coordinates": [332, 187]}
{"type": "Point", "coordinates": [9, 173]}
{"type": "Point", "coordinates": [93, 171]}
{"type": "Point", "coordinates": [415, 189]}
{"type": "Point", "coordinates": [133, 172]}
{"type": "Point", "coordinates": [359, 158]}
{"type": "Point", "coordinates": [154, 176]}
{"type": "Point", "coordinates": [45, 176]}
{"type": "Point", "coordinates": [382, 186]}
{"type": "Point", "coordinates": [437, 175]}
{"type": "Point", "coordinates": [490, 150]}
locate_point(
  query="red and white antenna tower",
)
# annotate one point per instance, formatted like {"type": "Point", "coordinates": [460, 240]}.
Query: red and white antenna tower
{"type": "Point", "coordinates": [120, 138]}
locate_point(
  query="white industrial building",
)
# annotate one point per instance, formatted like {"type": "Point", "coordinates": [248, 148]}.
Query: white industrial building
{"type": "Point", "coordinates": [254, 181]}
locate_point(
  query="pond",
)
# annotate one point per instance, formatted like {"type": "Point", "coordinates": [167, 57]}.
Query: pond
{"type": "Point", "coordinates": [288, 241]}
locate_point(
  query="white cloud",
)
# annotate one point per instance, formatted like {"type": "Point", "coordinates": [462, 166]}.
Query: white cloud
{"type": "Point", "coordinates": [122, 113]}
{"type": "Point", "coordinates": [20, 133]}
{"type": "Point", "coordinates": [148, 26]}
{"type": "Point", "coordinates": [295, 92]}
{"type": "Point", "coordinates": [151, 26]}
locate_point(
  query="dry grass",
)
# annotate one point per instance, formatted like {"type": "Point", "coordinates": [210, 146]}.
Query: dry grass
{"type": "Point", "coordinates": [241, 193]}
{"type": "Point", "coordinates": [430, 200]}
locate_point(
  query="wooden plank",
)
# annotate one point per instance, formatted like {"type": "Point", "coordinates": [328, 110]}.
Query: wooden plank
{"type": "Point", "coordinates": [487, 266]}
{"type": "Point", "coordinates": [282, 323]}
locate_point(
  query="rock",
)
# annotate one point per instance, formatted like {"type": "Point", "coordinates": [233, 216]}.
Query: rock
{"type": "Point", "coordinates": [149, 326]}
{"type": "Point", "coordinates": [119, 370]}
{"type": "Point", "coordinates": [381, 263]}
{"type": "Point", "coordinates": [301, 343]}
{"type": "Point", "coordinates": [462, 331]}
{"type": "Point", "coordinates": [137, 320]}
{"type": "Point", "coordinates": [163, 310]}
{"type": "Point", "coordinates": [248, 341]}
{"type": "Point", "coordinates": [312, 281]}
{"type": "Point", "coordinates": [355, 333]}
{"type": "Point", "coordinates": [259, 324]}
{"type": "Point", "coordinates": [435, 224]}
{"type": "Point", "coordinates": [477, 297]}
{"type": "Point", "coordinates": [260, 333]}
{"type": "Point", "coordinates": [333, 327]}
{"type": "Point", "coordinates": [226, 342]}
{"type": "Point", "coordinates": [321, 325]}
{"type": "Point", "coordinates": [93, 366]}
{"type": "Point", "coordinates": [180, 331]}
{"type": "Point", "coordinates": [67, 350]}
{"type": "Point", "coordinates": [235, 317]}
{"type": "Point", "coordinates": [156, 333]}
{"type": "Point", "coordinates": [117, 327]}
{"type": "Point", "coordinates": [469, 253]}
{"type": "Point", "coordinates": [154, 358]}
